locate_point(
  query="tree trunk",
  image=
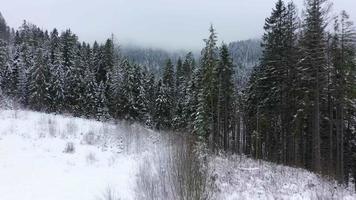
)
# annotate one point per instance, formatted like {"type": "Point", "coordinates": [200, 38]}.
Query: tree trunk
{"type": "Point", "coordinates": [316, 129]}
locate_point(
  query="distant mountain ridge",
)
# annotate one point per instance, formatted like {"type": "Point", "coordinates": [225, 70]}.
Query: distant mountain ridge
{"type": "Point", "coordinates": [246, 54]}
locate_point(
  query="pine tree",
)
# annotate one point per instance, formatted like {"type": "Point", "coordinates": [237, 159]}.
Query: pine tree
{"type": "Point", "coordinates": [102, 111]}
{"type": "Point", "coordinates": [71, 70]}
{"type": "Point", "coordinates": [188, 66]}
{"type": "Point", "coordinates": [168, 93]}
{"type": "Point", "coordinates": [108, 62]}
{"type": "Point", "coordinates": [162, 116]}
{"type": "Point", "coordinates": [4, 30]}
{"type": "Point", "coordinates": [343, 80]}
{"type": "Point", "coordinates": [149, 96]}
{"type": "Point", "coordinates": [168, 77]}
{"type": "Point", "coordinates": [27, 61]}
{"type": "Point", "coordinates": [38, 82]}
{"type": "Point", "coordinates": [205, 122]}
{"type": "Point", "coordinates": [91, 95]}
{"type": "Point", "coordinates": [270, 98]}
{"type": "Point", "coordinates": [314, 64]}
{"type": "Point", "coordinates": [5, 70]}
{"type": "Point", "coordinates": [56, 88]}
{"type": "Point", "coordinates": [192, 91]}
{"type": "Point", "coordinates": [179, 121]}
{"type": "Point", "coordinates": [225, 92]}
{"type": "Point", "coordinates": [115, 87]}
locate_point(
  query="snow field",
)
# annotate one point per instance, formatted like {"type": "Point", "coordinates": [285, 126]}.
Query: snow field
{"type": "Point", "coordinates": [127, 161]}
{"type": "Point", "coordinates": [34, 165]}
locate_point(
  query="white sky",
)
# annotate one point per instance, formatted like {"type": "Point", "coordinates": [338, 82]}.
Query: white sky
{"type": "Point", "coordinates": [173, 24]}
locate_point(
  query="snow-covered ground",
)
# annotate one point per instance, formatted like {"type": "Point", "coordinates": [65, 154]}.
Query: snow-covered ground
{"type": "Point", "coordinates": [238, 177]}
{"type": "Point", "coordinates": [35, 166]}
{"type": "Point", "coordinates": [124, 161]}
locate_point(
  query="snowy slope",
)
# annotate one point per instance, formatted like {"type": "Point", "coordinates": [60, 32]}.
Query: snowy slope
{"type": "Point", "coordinates": [33, 164]}
{"type": "Point", "coordinates": [238, 177]}
{"type": "Point", "coordinates": [127, 162]}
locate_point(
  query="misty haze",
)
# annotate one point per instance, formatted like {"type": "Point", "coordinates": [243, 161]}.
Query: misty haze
{"type": "Point", "coordinates": [177, 100]}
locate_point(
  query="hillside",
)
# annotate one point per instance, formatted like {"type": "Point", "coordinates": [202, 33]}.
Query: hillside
{"type": "Point", "coordinates": [122, 161]}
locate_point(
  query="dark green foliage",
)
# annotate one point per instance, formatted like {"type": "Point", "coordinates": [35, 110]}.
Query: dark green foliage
{"type": "Point", "coordinates": [39, 98]}
{"type": "Point", "coordinates": [298, 102]}
{"type": "Point", "coordinates": [298, 107]}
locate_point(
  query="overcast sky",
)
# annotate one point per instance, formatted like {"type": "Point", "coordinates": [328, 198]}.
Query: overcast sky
{"type": "Point", "coordinates": [170, 24]}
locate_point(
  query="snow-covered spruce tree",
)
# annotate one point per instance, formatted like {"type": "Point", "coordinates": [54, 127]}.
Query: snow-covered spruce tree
{"type": "Point", "coordinates": [342, 73]}
{"type": "Point", "coordinates": [102, 111]}
{"type": "Point", "coordinates": [270, 93]}
{"type": "Point", "coordinates": [192, 91]}
{"type": "Point", "coordinates": [179, 120]}
{"type": "Point", "coordinates": [4, 30]}
{"type": "Point", "coordinates": [148, 87]}
{"type": "Point", "coordinates": [90, 95]}
{"type": "Point", "coordinates": [107, 63]}
{"type": "Point", "coordinates": [71, 71]}
{"type": "Point", "coordinates": [188, 66]}
{"type": "Point", "coordinates": [27, 61]}
{"type": "Point", "coordinates": [167, 95]}
{"type": "Point", "coordinates": [313, 74]}
{"type": "Point", "coordinates": [225, 91]}
{"type": "Point", "coordinates": [162, 109]}
{"type": "Point", "coordinates": [131, 99]}
{"type": "Point", "coordinates": [140, 102]}
{"type": "Point", "coordinates": [39, 98]}
{"type": "Point", "coordinates": [115, 83]}
{"type": "Point", "coordinates": [79, 72]}
{"type": "Point", "coordinates": [348, 95]}
{"type": "Point", "coordinates": [184, 95]}
{"type": "Point", "coordinates": [205, 122]}
{"type": "Point", "coordinates": [56, 86]}
{"type": "Point", "coordinates": [5, 70]}
{"type": "Point", "coordinates": [96, 59]}
{"type": "Point", "coordinates": [168, 77]}
{"type": "Point", "coordinates": [122, 89]}
{"type": "Point", "coordinates": [251, 107]}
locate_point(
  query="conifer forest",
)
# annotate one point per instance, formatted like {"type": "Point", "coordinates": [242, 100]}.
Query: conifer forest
{"type": "Point", "coordinates": [285, 99]}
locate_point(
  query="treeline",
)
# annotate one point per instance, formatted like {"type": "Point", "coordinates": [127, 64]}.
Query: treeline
{"type": "Point", "coordinates": [300, 105]}
{"type": "Point", "coordinates": [54, 72]}
{"type": "Point", "coordinates": [298, 108]}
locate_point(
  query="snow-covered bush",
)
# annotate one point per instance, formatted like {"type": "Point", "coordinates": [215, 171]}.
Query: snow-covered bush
{"type": "Point", "coordinates": [91, 158]}
{"type": "Point", "coordinates": [109, 194]}
{"type": "Point", "coordinates": [6, 102]}
{"type": "Point", "coordinates": [52, 127]}
{"type": "Point", "coordinates": [71, 129]}
{"type": "Point", "coordinates": [89, 138]}
{"type": "Point", "coordinates": [69, 148]}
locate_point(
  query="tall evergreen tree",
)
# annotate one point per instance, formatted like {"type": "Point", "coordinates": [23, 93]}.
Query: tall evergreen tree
{"type": "Point", "coordinates": [205, 122]}
{"type": "Point", "coordinates": [5, 70]}
{"type": "Point", "coordinates": [56, 88]}
{"type": "Point", "coordinates": [38, 82]}
{"type": "Point", "coordinates": [225, 92]}
{"type": "Point", "coordinates": [314, 63]}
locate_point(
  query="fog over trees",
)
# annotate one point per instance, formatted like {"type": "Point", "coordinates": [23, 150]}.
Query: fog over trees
{"type": "Point", "coordinates": [289, 98]}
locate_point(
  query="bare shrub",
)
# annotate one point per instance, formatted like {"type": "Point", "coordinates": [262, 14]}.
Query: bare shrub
{"type": "Point", "coordinates": [109, 194]}
{"type": "Point", "coordinates": [89, 138]}
{"type": "Point", "coordinates": [174, 172]}
{"type": "Point", "coordinates": [71, 128]}
{"type": "Point", "coordinates": [91, 158]}
{"type": "Point", "coordinates": [52, 127]}
{"type": "Point", "coordinates": [42, 128]}
{"type": "Point", "coordinates": [69, 148]}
